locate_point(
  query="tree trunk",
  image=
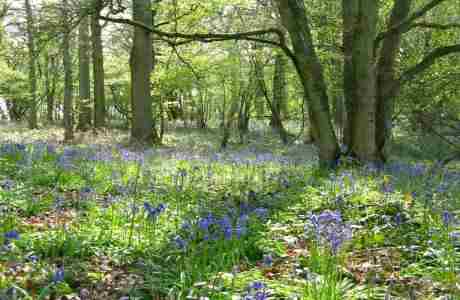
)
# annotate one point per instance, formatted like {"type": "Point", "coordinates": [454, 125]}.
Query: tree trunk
{"type": "Point", "coordinates": [49, 88]}
{"type": "Point", "coordinates": [360, 17]}
{"type": "Point", "coordinates": [98, 67]}
{"type": "Point", "coordinates": [32, 68]}
{"type": "Point", "coordinates": [68, 106]}
{"type": "Point", "coordinates": [348, 10]}
{"type": "Point", "coordinates": [259, 100]}
{"type": "Point", "coordinates": [294, 19]}
{"type": "Point", "coordinates": [141, 62]}
{"type": "Point", "coordinates": [386, 78]}
{"type": "Point", "coordinates": [279, 91]}
{"type": "Point", "coordinates": [84, 116]}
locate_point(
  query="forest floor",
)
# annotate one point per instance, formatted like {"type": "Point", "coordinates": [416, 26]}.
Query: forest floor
{"type": "Point", "coordinates": [100, 220]}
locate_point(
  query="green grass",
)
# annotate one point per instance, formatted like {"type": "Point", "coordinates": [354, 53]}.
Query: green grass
{"type": "Point", "coordinates": [85, 210]}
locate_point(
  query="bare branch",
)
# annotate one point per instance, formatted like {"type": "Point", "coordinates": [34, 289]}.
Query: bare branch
{"type": "Point", "coordinates": [435, 25]}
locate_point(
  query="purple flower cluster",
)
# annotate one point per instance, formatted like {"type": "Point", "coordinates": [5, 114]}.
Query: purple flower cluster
{"type": "Point", "coordinates": [9, 236]}
{"type": "Point", "coordinates": [211, 227]}
{"type": "Point", "coordinates": [7, 184]}
{"type": "Point", "coordinates": [152, 211]}
{"type": "Point", "coordinates": [256, 291]}
{"type": "Point", "coordinates": [58, 275]}
{"type": "Point", "coordinates": [328, 229]}
{"type": "Point", "coordinates": [67, 159]}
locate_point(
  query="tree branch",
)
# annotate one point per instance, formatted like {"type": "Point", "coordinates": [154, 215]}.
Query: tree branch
{"type": "Point", "coordinates": [405, 25]}
{"type": "Point", "coordinates": [211, 37]}
{"type": "Point", "coordinates": [435, 25]}
{"type": "Point", "coordinates": [429, 60]}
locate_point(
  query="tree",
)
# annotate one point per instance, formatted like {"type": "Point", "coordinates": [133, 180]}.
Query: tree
{"type": "Point", "coordinates": [98, 66]}
{"type": "Point", "coordinates": [141, 63]}
{"type": "Point", "coordinates": [370, 80]}
{"type": "Point", "coordinates": [310, 71]}
{"type": "Point", "coordinates": [32, 67]}
{"type": "Point", "coordinates": [68, 103]}
{"type": "Point", "coordinates": [84, 116]}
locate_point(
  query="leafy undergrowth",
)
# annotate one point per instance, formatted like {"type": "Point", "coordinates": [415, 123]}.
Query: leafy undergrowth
{"type": "Point", "coordinates": [186, 221]}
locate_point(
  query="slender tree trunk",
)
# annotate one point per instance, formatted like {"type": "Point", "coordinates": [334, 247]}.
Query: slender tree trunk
{"type": "Point", "coordinates": [141, 62]}
{"type": "Point", "coordinates": [294, 19]}
{"type": "Point", "coordinates": [98, 67]}
{"type": "Point", "coordinates": [32, 67]}
{"type": "Point", "coordinates": [279, 90]}
{"type": "Point", "coordinates": [68, 105]}
{"type": "Point", "coordinates": [386, 79]}
{"type": "Point", "coordinates": [259, 100]}
{"type": "Point", "coordinates": [84, 116]}
{"type": "Point", "coordinates": [49, 87]}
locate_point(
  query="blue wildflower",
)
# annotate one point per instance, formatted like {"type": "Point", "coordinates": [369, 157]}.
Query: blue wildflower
{"type": "Point", "coordinates": [58, 275]}
{"type": "Point", "coordinates": [398, 219]}
{"type": "Point", "coordinates": [267, 260]}
{"type": "Point", "coordinates": [261, 213]}
{"type": "Point", "coordinates": [256, 285]}
{"type": "Point", "coordinates": [446, 218]}
{"type": "Point", "coordinates": [180, 242]}
{"type": "Point", "coordinates": [11, 235]}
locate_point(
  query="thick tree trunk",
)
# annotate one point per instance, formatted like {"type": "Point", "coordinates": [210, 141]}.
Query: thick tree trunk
{"type": "Point", "coordinates": [32, 119]}
{"type": "Point", "coordinates": [84, 116]}
{"type": "Point", "coordinates": [361, 20]}
{"type": "Point", "coordinates": [98, 67]}
{"type": "Point", "coordinates": [294, 19]}
{"type": "Point", "coordinates": [141, 62]}
{"type": "Point", "coordinates": [68, 106]}
{"type": "Point", "coordinates": [386, 78]}
{"type": "Point", "coordinates": [349, 11]}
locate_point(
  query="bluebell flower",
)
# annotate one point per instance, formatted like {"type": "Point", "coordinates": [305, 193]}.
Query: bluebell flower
{"type": "Point", "coordinates": [446, 218]}
{"type": "Point", "coordinates": [328, 229]}
{"type": "Point", "coordinates": [86, 192]}
{"type": "Point", "coordinates": [186, 226]}
{"type": "Point", "coordinates": [59, 202]}
{"type": "Point", "coordinates": [398, 219]}
{"type": "Point", "coordinates": [58, 275]}
{"type": "Point", "coordinates": [267, 260]}
{"type": "Point", "coordinates": [11, 235]}
{"type": "Point", "coordinates": [7, 184]}
{"type": "Point", "coordinates": [256, 291]}
{"type": "Point", "coordinates": [32, 258]}
{"type": "Point", "coordinates": [240, 230]}
{"type": "Point", "coordinates": [180, 242]}
{"type": "Point", "coordinates": [261, 213]}
{"type": "Point", "coordinates": [256, 285]}
{"type": "Point", "coordinates": [226, 226]}
{"type": "Point", "coordinates": [154, 212]}
{"type": "Point", "coordinates": [206, 222]}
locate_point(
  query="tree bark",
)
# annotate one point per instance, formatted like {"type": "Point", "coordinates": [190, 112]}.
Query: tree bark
{"type": "Point", "coordinates": [84, 116]}
{"type": "Point", "coordinates": [279, 91]}
{"type": "Point", "coordinates": [68, 105]}
{"type": "Point", "coordinates": [141, 62]}
{"type": "Point", "coordinates": [98, 67]}
{"type": "Point", "coordinates": [50, 84]}
{"type": "Point", "coordinates": [363, 117]}
{"type": "Point", "coordinates": [386, 77]}
{"type": "Point", "coordinates": [295, 20]}
{"type": "Point", "coordinates": [32, 119]}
